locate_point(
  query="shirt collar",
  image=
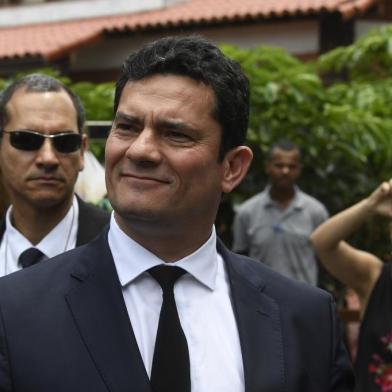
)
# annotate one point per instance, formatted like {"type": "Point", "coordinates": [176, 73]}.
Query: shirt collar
{"type": "Point", "coordinates": [131, 259]}
{"type": "Point", "coordinates": [49, 245]}
{"type": "Point", "coordinates": [297, 202]}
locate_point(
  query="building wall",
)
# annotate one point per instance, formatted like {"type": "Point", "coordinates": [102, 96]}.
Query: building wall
{"type": "Point", "coordinates": [56, 11]}
{"type": "Point", "coordinates": [297, 37]}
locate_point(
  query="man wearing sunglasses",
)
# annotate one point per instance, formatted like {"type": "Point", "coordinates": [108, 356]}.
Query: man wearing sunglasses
{"type": "Point", "coordinates": [41, 154]}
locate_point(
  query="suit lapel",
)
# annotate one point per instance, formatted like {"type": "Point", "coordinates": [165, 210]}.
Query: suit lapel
{"type": "Point", "coordinates": [100, 313]}
{"type": "Point", "coordinates": [84, 224]}
{"type": "Point", "coordinates": [2, 228]}
{"type": "Point", "coordinates": [90, 222]}
{"type": "Point", "coordinates": [259, 327]}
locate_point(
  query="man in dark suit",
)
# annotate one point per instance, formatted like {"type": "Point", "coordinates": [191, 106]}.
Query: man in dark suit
{"type": "Point", "coordinates": [41, 153]}
{"type": "Point", "coordinates": [157, 303]}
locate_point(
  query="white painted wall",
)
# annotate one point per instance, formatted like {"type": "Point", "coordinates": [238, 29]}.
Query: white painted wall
{"type": "Point", "coordinates": [70, 10]}
{"type": "Point", "coordinates": [296, 37]}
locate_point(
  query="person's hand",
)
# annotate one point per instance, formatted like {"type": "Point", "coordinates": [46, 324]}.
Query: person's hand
{"type": "Point", "coordinates": [380, 201]}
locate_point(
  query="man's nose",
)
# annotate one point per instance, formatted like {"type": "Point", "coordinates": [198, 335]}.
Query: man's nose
{"type": "Point", "coordinates": [286, 169]}
{"type": "Point", "coordinates": [145, 147]}
{"type": "Point", "coordinates": [46, 155]}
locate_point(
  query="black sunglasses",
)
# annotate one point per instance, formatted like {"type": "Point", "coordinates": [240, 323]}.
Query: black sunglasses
{"type": "Point", "coordinates": [26, 140]}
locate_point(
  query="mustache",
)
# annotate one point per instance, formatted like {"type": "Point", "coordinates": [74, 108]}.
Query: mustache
{"type": "Point", "coordinates": [46, 176]}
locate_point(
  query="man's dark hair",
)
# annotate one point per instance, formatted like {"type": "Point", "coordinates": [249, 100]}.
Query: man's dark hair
{"type": "Point", "coordinates": [38, 83]}
{"type": "Point", "coordinates": [282, 144]}
{"type": "Point", "coordinates": [195, 57]}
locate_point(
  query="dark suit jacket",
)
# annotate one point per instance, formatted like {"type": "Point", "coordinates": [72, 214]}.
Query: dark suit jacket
{"type": "Point", "coordinates": [91, 221]}
{"type": "Point", "coordinates": [64, 327]}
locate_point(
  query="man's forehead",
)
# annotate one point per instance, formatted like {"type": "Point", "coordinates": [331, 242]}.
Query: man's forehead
{"type": "Point", "coordinates": [279, 153]}
{"type": "Point", "coordinates": [168, 94]}
{"type": "Point", "coordinates": [168, 83]}
{"type": "Point", "coordinates": [23, 94]}
{"type": "Point", "coordinates": [23, 99]}
{"type": "Point", "coordinates": [41, 109]}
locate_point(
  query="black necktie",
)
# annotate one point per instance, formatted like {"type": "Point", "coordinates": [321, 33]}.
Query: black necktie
{"type": "Point", "coordinates": [170, 367]}
{"type": "Point", "coordinates": [30, 256]}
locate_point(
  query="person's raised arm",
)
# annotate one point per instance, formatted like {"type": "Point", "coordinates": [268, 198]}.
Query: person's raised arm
{"type": "Point", "coordinates": [355, 268]}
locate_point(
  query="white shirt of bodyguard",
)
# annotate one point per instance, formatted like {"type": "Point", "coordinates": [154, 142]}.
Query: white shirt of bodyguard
{"type": "Point", "coordinates": [60, 239]}
{"type": "Point", "coordinates": [204, 307]}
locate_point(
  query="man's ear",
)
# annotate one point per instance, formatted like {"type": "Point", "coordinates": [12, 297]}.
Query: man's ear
{"type": "Point", "coordinates": [235, 165]}
{"type": "Point", "coordinates": [83, 149]}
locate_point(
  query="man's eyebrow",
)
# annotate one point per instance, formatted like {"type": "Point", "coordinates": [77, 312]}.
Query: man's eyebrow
{"type": "Point", "coordinates": [177, 125]}
{"type": "Point", "coordinates": [126, 117]}
{"type": "Point", "coordinates": [174, 125]}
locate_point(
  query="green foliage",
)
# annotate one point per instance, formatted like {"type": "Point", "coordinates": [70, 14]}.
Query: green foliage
{"type": "Point", "coordinates": [370, 58]}
{"type": "Point", "coordinates": [344, 127]}
{"type": "Point", "coordinates": [97, 99]}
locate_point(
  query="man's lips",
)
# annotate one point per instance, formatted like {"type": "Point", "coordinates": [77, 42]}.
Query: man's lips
{"type": "Point", "coordinates": [46, 178]}
{"type": "Point", "coordinates": [146, 178]}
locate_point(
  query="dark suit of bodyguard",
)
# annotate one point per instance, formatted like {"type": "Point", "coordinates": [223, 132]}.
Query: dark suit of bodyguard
{"type": "Point", "coordinates": [92, 319]}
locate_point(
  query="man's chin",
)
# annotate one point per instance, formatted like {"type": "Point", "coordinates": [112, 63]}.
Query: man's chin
{"type": "Point", "coordinates": [142, 215]}
{"type": "Point", "coordinates": [48, 201]}
{"type": "Point", "coordinates": [146, 215]}
{"type": "Point", "coordinates": [284, 185]}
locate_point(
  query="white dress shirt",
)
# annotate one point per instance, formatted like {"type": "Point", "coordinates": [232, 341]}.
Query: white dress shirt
{"type": "Point", "coordinates": [203, 303]}
{"type": "Point", "coordinates": [59, 240]}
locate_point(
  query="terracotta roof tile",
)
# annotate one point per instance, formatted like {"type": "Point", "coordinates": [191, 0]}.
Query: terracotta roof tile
{"type": "Point", "coordinates": [51, 41]}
